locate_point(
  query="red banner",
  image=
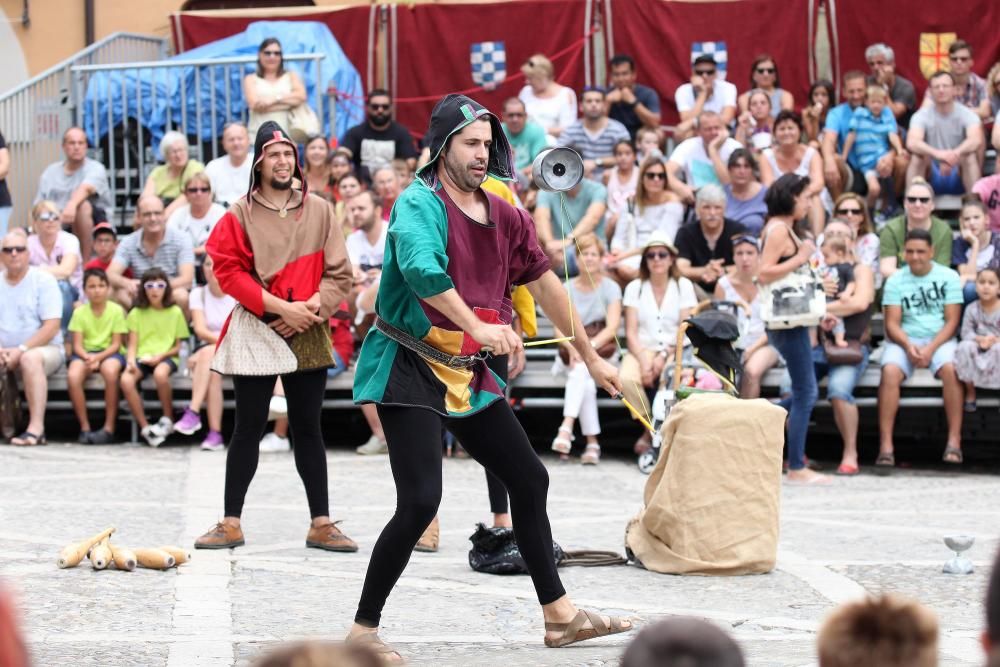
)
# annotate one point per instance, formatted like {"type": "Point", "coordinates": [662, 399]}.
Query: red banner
{"type": "Point", "coordinates": [919, 38]}
{"type": "Point", "coordinates": [659, 35]}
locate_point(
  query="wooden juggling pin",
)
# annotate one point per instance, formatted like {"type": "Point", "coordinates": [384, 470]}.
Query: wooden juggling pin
{"type": "Point", "coordinates": [180, 555]}
{"type": "Point", "coordinates": [124, 559]}
{"type": "Point", "coordinates": [100, 555]}
{"type": "Point", "coordinates": [154, 559]}
{"type": "Point", "coordinates": [72, 554]}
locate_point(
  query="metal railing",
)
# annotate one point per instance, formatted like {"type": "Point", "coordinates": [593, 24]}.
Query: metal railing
{"type": "Point", "coordinates": [34, 115]}
{"type": "Point", "coordinates": [126, 108]}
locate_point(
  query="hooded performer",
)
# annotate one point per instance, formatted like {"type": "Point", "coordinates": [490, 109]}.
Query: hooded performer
{"type": "Point", "coordinates": [451, 254]}
{"type": "Point", "coordinates": [280, 253]}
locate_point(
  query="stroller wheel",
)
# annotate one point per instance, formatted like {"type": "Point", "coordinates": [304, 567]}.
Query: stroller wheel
{"type": "Point", "coordinates": [647, 460]}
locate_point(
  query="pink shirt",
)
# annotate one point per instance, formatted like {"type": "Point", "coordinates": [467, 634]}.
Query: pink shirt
{"type": "Point", "coordinates": [66, 244]}
{"type": "Point", "coordinates": [988, 189]}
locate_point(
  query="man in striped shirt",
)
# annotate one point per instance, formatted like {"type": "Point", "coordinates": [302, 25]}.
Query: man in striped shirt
{"type": "Point", "coordinates": [594, 136]}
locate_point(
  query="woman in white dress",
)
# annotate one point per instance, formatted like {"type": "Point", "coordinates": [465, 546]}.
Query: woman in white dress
{"type": "Point", "coordinates": [271, 91]}
{"type": "Point", "coordinates": [547, 103]}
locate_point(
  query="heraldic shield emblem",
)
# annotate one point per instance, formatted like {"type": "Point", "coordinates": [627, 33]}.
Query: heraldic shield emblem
{"type": "Point", "coordinates": [718, 51]}
{"type": "Point", "coordinates": [934, 52]}
{"type": "Point", "coordinates": [489, 64]}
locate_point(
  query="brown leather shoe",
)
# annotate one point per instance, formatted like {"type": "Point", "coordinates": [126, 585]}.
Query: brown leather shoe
{"type": "Point", "coordinates": [428, 542]}
{"type": "Point", "coordinates": [222, 536]}
{"type": "Point", "coordinates": [329, 537]}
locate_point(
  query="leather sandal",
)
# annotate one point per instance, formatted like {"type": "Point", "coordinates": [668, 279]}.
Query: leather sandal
{"type": "Point", "coordinates": [429, 541]}
{"type": "Point", "coordinates": [563, 443]}
{"type": "Point", "coordinates": [952, 455]}
{"type": "Point", "coordinates": [591, 455]}
{"type": "Point", "coordinates": [374, 644]}
{"type": "Point", "coordinates": [574, 631]}
{"type": "Point", "coordinates": [29, 439]}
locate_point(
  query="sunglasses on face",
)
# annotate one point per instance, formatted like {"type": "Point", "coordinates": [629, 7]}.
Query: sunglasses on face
{"type": "Point", "coordinates": [272, 53]}
{"type": "Point", "coordinates": [47, 217]}
{"type": "Point", "coordinates": [704, 72]}
{"type": "Point", "coordinates": [917, 200]}
{"type": "Point", "coordinates": [848, 211]}
{"type": "Point", "coordinates": [15, 249]}
{"type": "Point", "coordinates": [765, 70]}
{"type": "Point", "coordinates": [655, 175]}
{"type": "Point", "coordinates": [155, 284]}
{"type": "Point", "coordinates": [746, 238]}
{"type": "Point", "coordinates": [662, 254]}
{"type": "Point", "coordinates": [379, 107]}
{"type": "Point", "coordinates": [198, 190]}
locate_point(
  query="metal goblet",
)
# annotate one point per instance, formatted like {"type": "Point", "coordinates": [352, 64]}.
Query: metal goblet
{"type": "Point", "coordinates": [959, 564]}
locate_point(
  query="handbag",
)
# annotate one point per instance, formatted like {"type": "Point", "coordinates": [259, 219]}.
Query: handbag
{"type": "Point", "coordinates": [312, 348]}
{"type": "Point", "coordinates": [605, 351]}
{"type": "Point", "coordinates": [842, 356]}
{"type": "Point", "coordinates": [303, 123]}
{"type": "Point", "coordinates": [10, 404]}
{"type": "Point", "coordinates": [795, 300]}
{"type": "Point", "coordinates": [250, 347]}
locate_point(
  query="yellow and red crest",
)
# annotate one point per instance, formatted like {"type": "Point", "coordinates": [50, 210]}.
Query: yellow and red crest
{"type": "Point", "coordinates": [934, 52]}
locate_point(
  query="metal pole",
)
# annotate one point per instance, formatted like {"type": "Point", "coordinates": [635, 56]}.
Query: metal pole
{"type": "Point", "coordinates": [215, 140]}
{"type": "Point", "coordinates": [197, 112]}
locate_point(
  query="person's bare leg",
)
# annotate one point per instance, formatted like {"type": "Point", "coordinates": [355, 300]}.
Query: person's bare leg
{"type": "Point", "coordinates": [754, 369]}
{"type": "Point", "coordinates": [161, 376]}
{"type": "Point", "coordinates": [888, 406]}
{"type": "Point", "coordinates": [111, 370]}
{"type": "Point", "coordinates": [83, 228]}
{"type": "Point", "coordinates": [371, 416]}
{"type": "Point", "coordinates": [845, 414]}
{"type": "Point", "coordinates": [36, 389]}
{"type": "Point", "coordinates": [281, 428]}
{"type": "Point", "coordinates": [951, 392]}
{"type": "Point", "coordinates": [970, 392]}
{"type": "Point", "coordinates": [75, 377]}
{"type": "Point", "coordinates": [214, 402]}
{"type": "Point", "coordinates": [563, 611]}
{"type": "Point", "coordinates": [970, 170]}
{"type": "Point", "coordinates": [201, 377]}
{"type": "Point", "coordinates": [918, 167]}
{"type": "Point", "coordinates": [900, 164]}
{"type": "Point", "coordinates": [130, 388]}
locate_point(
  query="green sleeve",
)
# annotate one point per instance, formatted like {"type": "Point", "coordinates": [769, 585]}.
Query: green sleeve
{"type": "Point", "coordinates": [888, 245]}
{"type": "Point", "coordinates": [119, 326]}
{"type": "Point", "coordinates": [418, 234]}
{"type": "Point", "coordinates": [132, 321]}
{"type": "Point", "coordinates": [76, 321]}
{"type": "Point", "coordinates": [181, 330]}
{"type": "Point", "coordinates": [942, 242]}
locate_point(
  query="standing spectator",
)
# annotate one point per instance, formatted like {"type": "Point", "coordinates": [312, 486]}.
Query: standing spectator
{"type": "Point", "coordinates": [631, 104]}
{"type": "Point", "coordinates": [58, 253]}
{"type": "Point", "coordinates": [655, 304]}
{"type": "Point", "coordinates": [988, 190]}
{"type": "Point", "coordinates": [691, 157]}
{"type": "Point", "coordinates": [783, 253]}
{"type": "Point", "coordinates": [922, 305]}
{"type": "Point", "coordinates": [98, 329]}
{"type": "Point", "coordinates": [918, 205]}
{"type": "Point", "coordinates": [585, 206]}
{"type": "Point", "coordinates": [902, 94]}
{"type": "Point", "coordinates": [229, 173]}
{"type": "Point", "coordinates": [594, 135]}
{"type": "Point", "coordinates": [156, 328]}
{"type": "Point", "coordinates": [873, 132]}
{"type": "Point", "coordinates": [843, 174]}
{"type": "Point", "coordinates": [153, 245]}
{"type": "Point", "coordinates": [821, 96]}
{"type": "Point", "coordinates": [549, 104]}
{"type": "Point", "coordinates": [887, 631]}
{"type": "Point", "coordinates": [655, 209]}
{"type": "Point", "coordinates": [945, 137]}
{"type": "Point", "coordinates": [167, 180]}
{"type": "Point", "coordinates": [764, 76]}
{"type": "Point", "coordinates": [855, 311]}
{"type": "Point", "coordinates": [379, 139]}
{"type": "Point", "coordinates": [753, 127]}
{"type": "Point", "coordinates": [385, 183]}
{"type": "Point", "coordinates": [705, 248]}
{"type": "Point", "coordinates": [210, 309]}
{"type": "Point", "coordinates": [527, 138]}
{"type": "Point", "coordinates": [705, 92]}
{"type": "Point", "coordinates": [976, 248]}
{"type": "Point", "coordinates": [598, 300]}
{"type": "Point", "coordinates": [271, 91]}
{"type": "Point", "coordinates": [30, 339]}
{"type": "Point", "coordinates": [851, 208]}
{"type": "Point", "coordinates": [197, 218]}
{"type": "Point", "coordinates": [740, 286]}
{"type": "Point", "coordinates": [316, 168]}
{"type": "Point", "coordinates": [790, 156]}
{"type": "Point", "coordinates": [6, 206]}
{"type": "Point", "coordinates": [970, 88]}
{"type": "Point", "coordinates": [621, 181]}
{"type": "Point", "coordinates": [977, 358]}
{"type": "Point", "coordinates": [744, 193]}
{"type": "Point", "coordinates": [78, 186]}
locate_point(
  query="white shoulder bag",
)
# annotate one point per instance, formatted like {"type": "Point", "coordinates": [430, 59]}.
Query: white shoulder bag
{"type": "Point", "coordinates": [795, 300]}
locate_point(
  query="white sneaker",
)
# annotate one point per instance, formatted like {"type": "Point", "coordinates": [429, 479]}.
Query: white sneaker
{"type": "Point", "coordinates": [273, 442]}
{"type": "Point", "coordinates": [373, 447]}
{"type": "Point", "coordinates": [152, 436]}
{"type": "Point", "coordinates": [165, 426]}
{"type": "Point", "coordinates": [277, 408]}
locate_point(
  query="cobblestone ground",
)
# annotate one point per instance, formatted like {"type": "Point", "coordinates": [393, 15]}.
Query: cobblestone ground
{"type": "Point", "coordinates": [863, 534]}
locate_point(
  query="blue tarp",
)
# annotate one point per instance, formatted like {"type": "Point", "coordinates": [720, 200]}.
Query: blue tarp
{"type": "Point", "coordinates": [170, 93]}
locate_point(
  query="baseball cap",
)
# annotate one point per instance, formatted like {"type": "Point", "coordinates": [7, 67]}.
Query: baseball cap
{"type": "Point", "coordinates": [105, 227]}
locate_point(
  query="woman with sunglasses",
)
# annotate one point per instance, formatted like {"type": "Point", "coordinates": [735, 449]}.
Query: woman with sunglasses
{"type": "Point", "coordinates": [653, 209]}
{"type": "Point", "coordinates": [764, 76]}
{"type": "Point", "coordinates": [655, 304]}
{"type": "Point", "coordinates": [271, 91]}
{"type": "Point", "coordinates": [918, 206]}
{"type": "Point", "coordinates": [850, 208]}
{"type": "Point", "coordinates": [788, 155]}
{"type": "Point", "coordinates": [855, 311]}
{"type": "Point", "coordinates": [197, 218]}
{"type": "Point", "coordinates": [58, 253]}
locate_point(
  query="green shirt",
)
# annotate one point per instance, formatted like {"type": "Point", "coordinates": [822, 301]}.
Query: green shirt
{"type": "Point", "coordinates": [923, 298]}
{"type": "Point", "coordinates": [157, 329]}
{"type": "Point", "coordinates": [97, 331]}
{"type": "Point", "coordinates": [893, 235]}
{"type": "Point", "coordinates": [591, 192]}
{"type": "Point", "coordinates": [526, 145]}
{"type": "Point", "coordinates": [167, 187]}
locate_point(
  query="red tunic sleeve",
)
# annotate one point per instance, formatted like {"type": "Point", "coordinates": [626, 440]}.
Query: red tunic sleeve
{"type": "Point", "coordinates": [232, 256]}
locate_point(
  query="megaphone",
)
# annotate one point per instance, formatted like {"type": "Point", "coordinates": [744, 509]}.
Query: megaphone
{"type": "Point", "coordinates": [557, 169]}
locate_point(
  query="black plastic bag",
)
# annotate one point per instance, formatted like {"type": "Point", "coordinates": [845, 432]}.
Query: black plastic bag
{"type": "Point", "coordinates": [494, 551]}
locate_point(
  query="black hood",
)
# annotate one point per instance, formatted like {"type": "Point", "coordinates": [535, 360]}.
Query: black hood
{"type": "Point", "coordinates": [452, 114]}
{"type": "Point", "coordinates": [272, 133]}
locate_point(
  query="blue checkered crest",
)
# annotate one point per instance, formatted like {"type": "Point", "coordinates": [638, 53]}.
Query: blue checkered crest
{"type": "Point", "coordinates": [715, 49]}
{"type": "Point", "coordinates": [489, 64]}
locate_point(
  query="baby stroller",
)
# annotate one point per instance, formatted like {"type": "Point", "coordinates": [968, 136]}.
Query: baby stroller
{"type": "Point", "coordinates": [712, 328]}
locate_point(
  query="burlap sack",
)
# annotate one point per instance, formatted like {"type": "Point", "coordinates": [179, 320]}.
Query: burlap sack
{"type": "Point", "coordinates": [711, 502]}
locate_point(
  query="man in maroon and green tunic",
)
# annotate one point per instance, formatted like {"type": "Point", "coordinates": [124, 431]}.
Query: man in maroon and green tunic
{"type": "Point", "coordinates": [451, 255]}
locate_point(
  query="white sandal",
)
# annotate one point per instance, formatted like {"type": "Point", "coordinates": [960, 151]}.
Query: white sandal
{"type": "Point", "coordinates": [562, 444]}
{"type": "Point", "coordinates": [591, 455]}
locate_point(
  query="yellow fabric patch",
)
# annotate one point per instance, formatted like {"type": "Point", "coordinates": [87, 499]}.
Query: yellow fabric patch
{"type": "Point", "coordinates": [458, 397]}
{"type": "Point", "coordinates": [449, 342]}
{"type": "Point", "coordinates": [934, 52]}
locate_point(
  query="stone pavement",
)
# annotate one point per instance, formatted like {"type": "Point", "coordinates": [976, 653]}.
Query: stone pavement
{"type": "Point", "coordinates": [863, 534]}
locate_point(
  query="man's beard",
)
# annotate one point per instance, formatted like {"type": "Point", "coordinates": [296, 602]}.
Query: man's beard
{"type": "Point", "coordinates": [281, 185]}
{"type": "Point", "coordinates": [379, 118]}
{"type": "Point", "coordinates": [462, 176]}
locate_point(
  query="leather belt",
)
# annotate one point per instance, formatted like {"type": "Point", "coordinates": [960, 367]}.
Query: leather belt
{"type": "Point", "coordinates": [425, 350]}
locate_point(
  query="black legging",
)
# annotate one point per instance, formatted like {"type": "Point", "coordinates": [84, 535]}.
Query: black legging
{"type": "Point", "coordinates": [494, 487]}
{"type": "Point", "coordinates": [304, 392]}
{"type": "Point", "coordinates": [494, 438]}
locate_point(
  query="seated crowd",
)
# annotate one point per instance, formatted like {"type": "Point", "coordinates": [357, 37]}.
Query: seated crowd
{"type": "Point", "coordinates": [751, 192]}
